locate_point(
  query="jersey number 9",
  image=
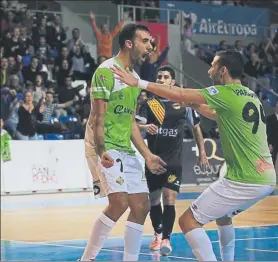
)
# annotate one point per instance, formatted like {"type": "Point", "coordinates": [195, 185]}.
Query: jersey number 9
{"type": "Point", "coordinates": [251, 114]}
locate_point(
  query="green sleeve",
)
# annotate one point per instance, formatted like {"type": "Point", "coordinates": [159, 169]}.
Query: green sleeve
{"type": "Point", "coordinates": [216, 97]}
{"type": "Point", "coordinates": [102, 83]}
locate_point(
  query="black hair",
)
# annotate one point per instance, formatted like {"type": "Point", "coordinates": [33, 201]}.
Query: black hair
{"type": "Point", "coordinates": [233, 61]}
{"type": "Point", "coordinates": [49, 92]}
{"type": "Point", "coordinates": [168, 69]}
{"type": "Point", "coordinates": [128, 32]}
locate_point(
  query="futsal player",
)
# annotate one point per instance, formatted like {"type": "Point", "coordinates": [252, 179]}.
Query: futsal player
{"type": "Point", "coordinates": [165, 124]}
{"type": "Point", "coordinates": [241, 120]}
{"type": "Point", "coordinates": [114, 105]}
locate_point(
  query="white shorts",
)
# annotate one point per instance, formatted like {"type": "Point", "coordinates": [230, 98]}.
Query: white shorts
{"type": "Point", "coordinates": [126, 175]}
{"type": "Point", "coordinates": [226, 197]}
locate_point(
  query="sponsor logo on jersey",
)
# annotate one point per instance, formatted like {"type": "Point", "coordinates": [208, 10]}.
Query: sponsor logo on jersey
{"type": "Point", "coordinates": [120, 109]}
{"type": "Point", "coordinates": [176, 106]}
{"type": "Point", "coordinates": [120, 180]}
{"type": "Point", "coordinates": [168, 132]}
{"type": "Point", "coordinates": [212, 90]}
{"type": "Point", "coordinates": [171, 179]}
{"type": "Point", "coordinates": [262, 166]}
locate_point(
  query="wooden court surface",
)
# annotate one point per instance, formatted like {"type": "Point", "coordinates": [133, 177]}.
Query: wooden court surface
{"type": "Point", "coordinates": [75, 222]}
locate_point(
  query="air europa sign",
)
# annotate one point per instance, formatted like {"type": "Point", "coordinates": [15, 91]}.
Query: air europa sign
{"type": "Point", "coordinates": [220, 19]}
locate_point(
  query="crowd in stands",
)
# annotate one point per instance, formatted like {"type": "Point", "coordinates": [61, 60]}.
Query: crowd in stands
{"type": "Point", "coordinates": [45, 77]}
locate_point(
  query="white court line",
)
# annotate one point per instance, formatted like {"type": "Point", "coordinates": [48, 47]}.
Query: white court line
{"type": "Point", "coordinates": [147, 235]}
{"type": "Point", "coordinates": [261, 250]}
{"type": "Point", "coordinates": [246, 239]}
{"type": "Point", "coordinates": [103, 249]}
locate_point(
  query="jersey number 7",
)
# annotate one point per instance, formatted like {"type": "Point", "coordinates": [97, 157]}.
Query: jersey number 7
{"type": "Point", "coordinates": [251, 114]}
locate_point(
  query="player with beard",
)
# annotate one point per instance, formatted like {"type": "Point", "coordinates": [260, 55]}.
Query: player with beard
{"type": "Point", "coordinates": [165, 124]}
{"type": "Point", "coordinates": [240, 117]}
{"type": "Point", "coordinates": [122, 176]}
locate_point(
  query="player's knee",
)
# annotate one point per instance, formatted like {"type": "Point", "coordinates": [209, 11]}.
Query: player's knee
{"type": "Point", "coordinates": [224, 221]}
{"type": "Point", "coordinates": [187, 222]}
{"type": "Point", "coordinates": [169, 199]}
{"type": "Point", "coordinates": [155, 197]}
{"type": "Point", "coordinates": [141, 209]}
{"type": "Point", "coordinates": [118, 204]}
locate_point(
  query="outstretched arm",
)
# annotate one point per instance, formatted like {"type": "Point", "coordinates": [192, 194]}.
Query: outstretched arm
{"type": "Point", "coordinates": [205, 110]}
{"type": "Point", "coordinates": [175, 94]}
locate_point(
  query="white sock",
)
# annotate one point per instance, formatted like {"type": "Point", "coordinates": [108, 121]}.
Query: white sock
{"type": "Point", "coordinates": [100, 232]}
{"type": "Point", "coordinates": [200, 244]}
{"type": "Point", "coordinates": [132, 241]}
{"type": "Point", "coordinates": [227, 242]}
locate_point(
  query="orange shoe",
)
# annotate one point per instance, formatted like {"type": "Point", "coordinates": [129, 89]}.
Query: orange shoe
{"type": "Point", "coordinates": [165, 248]}
{"type": "Point", "coordinates": [156, 242]}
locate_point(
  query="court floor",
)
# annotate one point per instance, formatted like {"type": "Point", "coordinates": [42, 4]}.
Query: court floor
{"type": "Point", "coordinates": [54, 227]}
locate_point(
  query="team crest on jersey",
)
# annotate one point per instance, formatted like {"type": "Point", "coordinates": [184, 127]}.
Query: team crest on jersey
{"type": "Point", "coordinates": [212, 90]}
{"type": "Point", "coordinates": [177, 106]}
{"type": "Point", "coordinates": [120, 180]}
{"type": "Point", "coordinates": [121, 96]}
{"type": "Point", "coordinates": [172, 178]}
{"type": "Point", "coordinates": [103, 77]}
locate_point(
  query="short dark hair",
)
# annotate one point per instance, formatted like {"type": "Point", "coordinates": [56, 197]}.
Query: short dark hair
{"type": "Point", "coordinates": [49, 93]}
{"type": "Point", "coordinates": [233, 61]}
{"type": "Point", "coordinates": [168, 69]}
{"type": "Point", "coordinates": [128, 32]}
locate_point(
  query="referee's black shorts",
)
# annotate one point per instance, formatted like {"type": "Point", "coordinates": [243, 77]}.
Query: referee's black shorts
{"type": "Point", "coordinates": [171, 179]}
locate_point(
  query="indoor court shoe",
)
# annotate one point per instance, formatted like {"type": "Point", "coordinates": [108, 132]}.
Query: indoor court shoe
{"type": "Point", "coordinates": [165, 248]}
{"type": "Point", "coordinates": [156, 242]}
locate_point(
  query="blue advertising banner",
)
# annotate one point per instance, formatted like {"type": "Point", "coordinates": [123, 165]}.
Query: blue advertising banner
{"type": "Point", "coordinates": [220, 20]}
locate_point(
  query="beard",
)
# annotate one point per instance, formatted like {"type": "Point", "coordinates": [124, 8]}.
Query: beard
{"type": "Point", "coordinates": [216, 78]}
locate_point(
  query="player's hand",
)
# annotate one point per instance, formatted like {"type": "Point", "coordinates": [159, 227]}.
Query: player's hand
{"type": "Point", "coordinates": [203, 161]}
{"type": "Point", "coordinates": [106, 160]}
{"type": "Point", "coordinates": [125, 76]}
{"type": "Point", "coordinates": [155, 164]}
{"type": "Point", "coordinates": [92, 15]}
{"type": "Point", "coordinates": [151, 129]}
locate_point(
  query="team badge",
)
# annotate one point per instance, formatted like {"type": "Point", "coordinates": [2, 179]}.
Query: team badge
{"type": "Point", "coordinates": [103, 77]}
{"type": "Point", "coordinates": [212, 90]}
{"type": "Point", "coordinates": [171, 178]}
{"type": "Point", "coordinates": [120, 180]}
{"type": "Point", "coordinates": [121, 96]}
{"type": "Point", "coordinates": [176, 106]}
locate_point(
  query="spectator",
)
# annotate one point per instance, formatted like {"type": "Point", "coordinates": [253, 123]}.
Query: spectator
{"type": "Point", "coordinates": [43, 49]}
{"type": "Point", "coordinates": [151, 15]}
{"type": "Point", "coordinates": [28, 115]}
{"type": "Point", "coordinates": [223, 45]}
{"type": "Point", "coordinates": [272, 131]}
{"type": "Point", "coordinates": [39, 89]}
{"type": "Point", "coordinates": [64, 72]}
{"type": "Point", "coordinates": [104, 37]}
{"type": "Point", "coordinates": [14, 45]}
{"type": "Point", "coordinates": [12, 118]}
{"type": "Point", "coordinates": [30, 72]}
{"type": "Point", "coordinates": [56, 33]}
{"type": "Point", "coordinates": [75, 40]}
{"type": "Point", "coordinates": [25, 41]}
{"type": "Point", "coordinates": [48, 110]}
{"type": "Point", "coordinates": [4, 71]}
{"type": "Point", "coordinates": [150, 65]}
{"type": "Point", "coordinates": [64, 56]}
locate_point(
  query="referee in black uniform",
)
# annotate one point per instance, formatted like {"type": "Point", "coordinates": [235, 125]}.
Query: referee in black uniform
{"type": "Point", "coordinates": [165, 123]}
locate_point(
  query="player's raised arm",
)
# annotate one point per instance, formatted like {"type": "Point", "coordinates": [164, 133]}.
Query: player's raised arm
{"type": "Point", "coordinates": [175, 94]}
